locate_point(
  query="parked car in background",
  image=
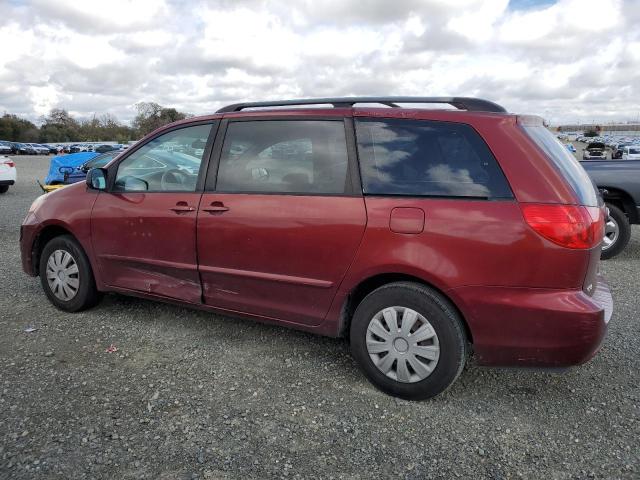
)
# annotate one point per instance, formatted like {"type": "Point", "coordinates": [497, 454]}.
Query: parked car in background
{"type": "Point", "coordinates": [616, 150]}
{"type": "Point", "coordinates": [7, 173]}
{"type": "Point", "coordinates": [631, 152]}
{"type": "Point", "coordinates": [595, 151]}
{"type": "Point", "coordinates": [5, 147]}
{"type": "Point", "coordinates": [41, 149]}
{"type": "Point", "coordinates": [570, 147]}
{"type": "Point", "coordinates": [619, 183]}
{"type": "Point", "coordinates": [105, 148]}
{"type": "Point", "coordinates": [25, 149]}
{"type": "Point", "coordinates": [422, 234]}
{"type": "Point", "coordinates": [15, 148]}
{"type": "Point", "coordinates": [54, 149]}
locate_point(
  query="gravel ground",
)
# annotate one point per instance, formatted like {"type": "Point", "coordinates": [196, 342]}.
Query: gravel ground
{"type": "Point", "coordinates": [195, 395]}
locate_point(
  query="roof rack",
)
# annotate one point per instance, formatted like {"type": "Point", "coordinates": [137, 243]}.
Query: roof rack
{"type": "Point", "coordinates": [463, 103]}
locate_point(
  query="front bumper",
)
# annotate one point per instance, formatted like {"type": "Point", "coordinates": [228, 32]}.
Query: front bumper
{"type": "Point", "coordinates": [532, 327]}
{"type": "Point", "coordinates": [28, 233]}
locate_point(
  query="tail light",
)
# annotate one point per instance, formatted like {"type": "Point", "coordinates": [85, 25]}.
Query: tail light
{"type": "Point", "coordinates": [9, 163]}
{"type": "Point", "coordinates": [570, 226]}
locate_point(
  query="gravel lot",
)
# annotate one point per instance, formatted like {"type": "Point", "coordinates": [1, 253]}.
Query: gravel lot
{"type": "Point", "coordinates": [195, 395]}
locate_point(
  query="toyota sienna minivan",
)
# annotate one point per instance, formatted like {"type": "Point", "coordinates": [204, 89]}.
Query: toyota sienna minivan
{"type": "Point", "coordinates": [424, 236]}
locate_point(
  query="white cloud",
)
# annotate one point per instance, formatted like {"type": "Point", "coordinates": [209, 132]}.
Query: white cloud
{"type": "Point", "coordinates": [570, 60]}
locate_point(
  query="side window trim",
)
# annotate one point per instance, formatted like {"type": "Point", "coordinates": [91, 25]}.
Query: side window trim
{"type": "Point", "coordinates": [204, 164]}
{"type": "Point", "coordinates": [354, 187]}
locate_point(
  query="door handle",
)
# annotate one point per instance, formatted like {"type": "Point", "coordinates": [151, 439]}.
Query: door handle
{"type": "Point", "coordinates": [215, 207]}
{"type": "Point", "coordinates": [182, 207]}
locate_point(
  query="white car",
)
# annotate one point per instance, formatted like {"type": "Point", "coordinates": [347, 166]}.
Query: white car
{"type": "Point", "coordinates": [631, 152]}
{"type": "Point", "coordinates": [7, 173]}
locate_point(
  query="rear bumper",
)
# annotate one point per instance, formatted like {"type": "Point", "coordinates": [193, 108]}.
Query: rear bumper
{"type": "Point", "coordinates": [7, 182]}
{"type": "Point", "coordinates": [535, 327]}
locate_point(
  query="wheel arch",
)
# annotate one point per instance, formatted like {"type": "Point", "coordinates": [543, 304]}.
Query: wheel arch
{"type": "Point", "coordinates": [369, 284]}
{"type": "Point", "coordinates": [622, 200]}
{"type": "Point", "coordinates": [45, 235]}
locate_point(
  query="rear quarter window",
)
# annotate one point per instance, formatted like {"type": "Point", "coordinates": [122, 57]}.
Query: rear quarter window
{"type": "Point", "coordinates": [566, 163]}
{"type": "Point", "coordinates": [427, 158]}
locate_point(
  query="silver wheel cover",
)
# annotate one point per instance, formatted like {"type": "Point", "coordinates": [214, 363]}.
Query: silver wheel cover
{"type": "Point", "coordinates": [402, 344]}
{"type": "Point", "coordinates": [63, 275]}
{"type": "Point", "coordinates": [611, 233]}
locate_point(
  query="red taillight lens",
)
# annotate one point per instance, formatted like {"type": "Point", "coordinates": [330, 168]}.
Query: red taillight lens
{"type": "Point", "coordinates": [9, 163]}
{"type": "Point", "coordinates": [570, 226]}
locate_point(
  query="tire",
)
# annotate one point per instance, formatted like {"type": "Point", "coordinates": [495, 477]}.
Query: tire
{"type": "Point", "coordinates": [4, 188]}
{"type": "Point", "coordinates": [85, 295]}
{"type": "Point", "coordinates": [619, 232]}
{"type": "Point", "coordinates": [440, 315]}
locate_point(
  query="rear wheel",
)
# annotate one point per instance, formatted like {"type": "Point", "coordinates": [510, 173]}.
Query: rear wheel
{"type": "Point", "coordinates": [617, 232]}
{"type": "Point", "coordinates": [408, 340]}
{"type": "Point", "coordinates": [4, 188]}
{"type": "Point", "coordinates": [66, 275]}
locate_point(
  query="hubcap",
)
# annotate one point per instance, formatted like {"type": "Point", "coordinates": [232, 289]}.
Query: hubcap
{"type": "Point", "coordinates": [402, 344]}
{"type": "Point", "coordinates": [63, 275]}
{"type": "Point", "coordinates": [611, 232]}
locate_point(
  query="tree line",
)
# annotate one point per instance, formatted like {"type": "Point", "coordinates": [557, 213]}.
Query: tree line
{"type": "Point", "coordinates": [59, 126]}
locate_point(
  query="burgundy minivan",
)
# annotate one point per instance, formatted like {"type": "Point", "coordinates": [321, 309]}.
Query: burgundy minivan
{"type": "Point", "coordinates": [422, 235]}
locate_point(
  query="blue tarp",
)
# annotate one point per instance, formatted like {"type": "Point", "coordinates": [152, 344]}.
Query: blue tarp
{"type": "Point", "coordinates": [70, 160]}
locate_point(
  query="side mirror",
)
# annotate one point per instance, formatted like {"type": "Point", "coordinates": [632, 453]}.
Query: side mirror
{"type": "Point", "coordinates": [97, 178]}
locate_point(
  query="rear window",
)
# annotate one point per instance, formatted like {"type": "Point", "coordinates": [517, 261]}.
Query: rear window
{"type": "Point", "coordinates": [566, 163]}
{"type": "Point", "coordinates": [427, 158]}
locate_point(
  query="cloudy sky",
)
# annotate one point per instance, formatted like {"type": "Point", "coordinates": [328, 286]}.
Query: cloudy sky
{"type": "Point", "coordinates": [566, 60]}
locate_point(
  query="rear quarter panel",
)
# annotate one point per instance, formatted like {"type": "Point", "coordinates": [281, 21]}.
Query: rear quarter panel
{"type": "Point", "coordinates": [464, 242]}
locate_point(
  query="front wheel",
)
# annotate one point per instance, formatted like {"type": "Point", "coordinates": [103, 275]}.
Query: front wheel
{"type": "Point", "coordinates": [66, 275]}
{"type": "Point", "coordinates": [617, 232]}
{"type": "Point", "coordinates": [408, 340]}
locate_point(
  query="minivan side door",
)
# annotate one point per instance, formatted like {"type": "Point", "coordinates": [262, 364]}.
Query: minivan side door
{"type": "Point", "coordinates": [278, 229]}
{"type": "Point", "coordinates": [143, 227]}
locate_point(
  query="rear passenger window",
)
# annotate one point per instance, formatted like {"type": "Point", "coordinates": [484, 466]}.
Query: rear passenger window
{"type": "Point", "coordinates": [281, 156]}
{"type": "Point", "coordinates": [427, 158]}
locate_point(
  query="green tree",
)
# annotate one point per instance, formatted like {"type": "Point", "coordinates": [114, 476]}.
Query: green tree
{"type": "Point", "coordinates": [151, 116]}
{"type": "Point", "coordinates": [16, 129]}
{"type": "Point", "coordinates": [59, 126]}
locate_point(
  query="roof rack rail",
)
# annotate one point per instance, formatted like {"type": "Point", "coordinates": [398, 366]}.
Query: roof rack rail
{"type": "Point", "coordinates": [464, 103]}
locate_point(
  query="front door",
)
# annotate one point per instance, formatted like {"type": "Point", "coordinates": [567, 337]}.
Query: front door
{"type": "Point", "coordinates": [144, 228]}
{"type": "Point", "coordinates": [277, 235]}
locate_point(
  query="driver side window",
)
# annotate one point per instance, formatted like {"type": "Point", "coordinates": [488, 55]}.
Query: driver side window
{"type": "Point", "coordinates": [168, 163]}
